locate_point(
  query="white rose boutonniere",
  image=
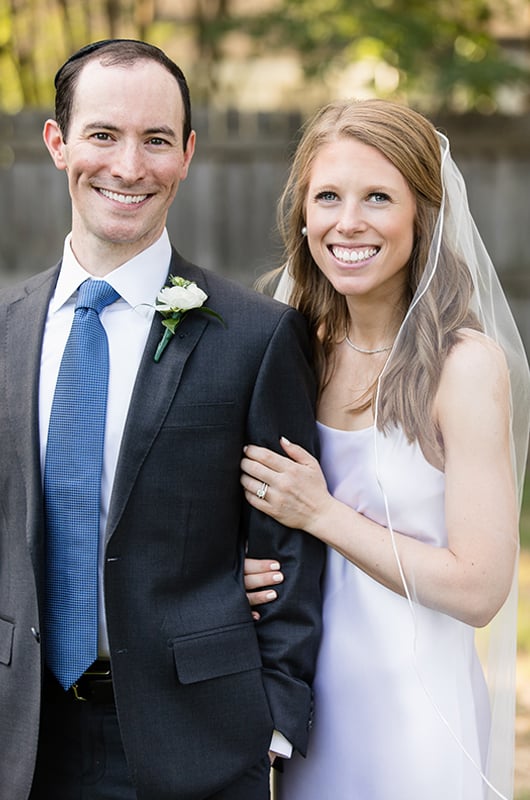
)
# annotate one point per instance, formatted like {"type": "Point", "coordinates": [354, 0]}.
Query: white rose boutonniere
{"type": "Point", "coordinates": [174, 302]}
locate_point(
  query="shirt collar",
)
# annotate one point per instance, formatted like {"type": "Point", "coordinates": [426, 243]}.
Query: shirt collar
{"type": "Point", "coordinates": [138, 281]}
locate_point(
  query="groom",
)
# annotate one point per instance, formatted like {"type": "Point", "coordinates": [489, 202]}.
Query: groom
{"type": "Point", "coordinates": [161, 687]}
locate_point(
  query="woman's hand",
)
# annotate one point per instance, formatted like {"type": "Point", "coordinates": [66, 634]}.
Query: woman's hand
{"type": "Point", "coordinates": [291, 488]}
{"type": "Point", "coordinates": [260, 575]}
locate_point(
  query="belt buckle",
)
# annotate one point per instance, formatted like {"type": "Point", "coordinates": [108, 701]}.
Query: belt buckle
{"type": "Point", "coordinates": [98, 670]}
{"type": "Point", "coordinates": [75, 689]}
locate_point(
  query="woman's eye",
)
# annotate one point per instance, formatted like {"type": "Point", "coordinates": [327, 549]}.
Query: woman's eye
{"type": "Point", "coordinates": [379, 197]}
{"type": "Point", "coordinates": [327, 196]}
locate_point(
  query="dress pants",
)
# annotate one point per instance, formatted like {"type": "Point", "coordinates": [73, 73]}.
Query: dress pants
{"type": "Point", "coordinates": [81, 756]}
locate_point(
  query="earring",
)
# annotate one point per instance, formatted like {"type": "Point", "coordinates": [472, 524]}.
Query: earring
{"type": "Point", "coordinates": [304, 230]}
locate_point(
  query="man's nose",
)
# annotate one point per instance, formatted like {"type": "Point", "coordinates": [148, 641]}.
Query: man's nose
{"type": "Point", "coordinates": [129, 163]}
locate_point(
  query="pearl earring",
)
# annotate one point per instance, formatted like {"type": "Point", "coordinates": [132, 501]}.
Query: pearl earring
{"type": "Point", "coordinates": [304, 230]}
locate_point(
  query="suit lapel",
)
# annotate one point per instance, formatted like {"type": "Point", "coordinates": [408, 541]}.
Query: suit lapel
{"type": "Point", "coordinates": [154, 390]}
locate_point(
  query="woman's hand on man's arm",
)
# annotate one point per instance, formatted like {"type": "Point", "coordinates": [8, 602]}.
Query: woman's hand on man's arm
{"type": "Point", "coordinates": [261, 575]}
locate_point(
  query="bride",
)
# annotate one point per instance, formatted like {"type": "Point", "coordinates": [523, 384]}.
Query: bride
{"type": "Point", "coordinates": [423, 420]}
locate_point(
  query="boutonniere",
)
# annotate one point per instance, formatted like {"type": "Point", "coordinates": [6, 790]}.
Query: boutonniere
{"type": "Point", "coordinates": [174, 302]}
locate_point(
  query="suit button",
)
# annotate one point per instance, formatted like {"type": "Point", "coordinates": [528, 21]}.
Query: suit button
{"type": "Point", "coordinates": [36, 635]}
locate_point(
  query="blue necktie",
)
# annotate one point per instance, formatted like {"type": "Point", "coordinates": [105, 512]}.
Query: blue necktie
{"type": "Point", "coordinates": [72, 488]}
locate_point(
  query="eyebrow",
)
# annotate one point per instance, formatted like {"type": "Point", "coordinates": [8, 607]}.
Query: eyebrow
{"type": "Point", "coordinates": [372, 188]}
{"type": "Point", "coordinates": [162, 129]}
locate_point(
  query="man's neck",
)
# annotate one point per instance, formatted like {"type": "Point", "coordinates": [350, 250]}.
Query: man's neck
{"type": "Point", "coordinates": [101, 258]}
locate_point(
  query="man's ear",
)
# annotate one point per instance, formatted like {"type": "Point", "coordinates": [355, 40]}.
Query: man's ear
{"type": "Point", "coordinates": [188, 154]}
{"type": "Point", "coordinates": [53, 139]}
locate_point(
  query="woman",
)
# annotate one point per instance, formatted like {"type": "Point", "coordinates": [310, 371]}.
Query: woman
{"type": "Point", "coordinates": [423, 421]}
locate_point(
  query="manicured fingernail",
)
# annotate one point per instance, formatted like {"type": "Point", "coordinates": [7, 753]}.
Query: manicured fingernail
{"type": "Point", "coordinates": [271, 595]}
{"type": "Point", "coordinates": [274, 565]}
{"type": "Point", "coordinates": [285, 440]}
{"type": "Point", "coordinates": [277, 577]}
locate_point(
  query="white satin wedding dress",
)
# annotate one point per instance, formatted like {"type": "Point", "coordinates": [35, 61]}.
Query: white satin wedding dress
{"type": "Point", "coordinates": [399, 690]}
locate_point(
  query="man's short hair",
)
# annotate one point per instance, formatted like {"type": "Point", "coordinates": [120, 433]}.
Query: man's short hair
{"type": "Point", "coordinates": [112, 52]}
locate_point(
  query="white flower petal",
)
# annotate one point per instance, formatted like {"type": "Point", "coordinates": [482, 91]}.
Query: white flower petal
{"type": "Point", "coordinates": [180, 298]}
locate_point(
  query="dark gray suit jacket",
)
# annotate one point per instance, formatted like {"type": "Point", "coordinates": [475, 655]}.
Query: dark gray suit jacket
{"type": "Point", "coordinates": [199, 687]}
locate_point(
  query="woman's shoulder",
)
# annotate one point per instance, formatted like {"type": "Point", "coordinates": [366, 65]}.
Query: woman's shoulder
{"type": "Point", "coordinates": [474, 353]}
{"type": "Point", "coordinates": [475, 368]}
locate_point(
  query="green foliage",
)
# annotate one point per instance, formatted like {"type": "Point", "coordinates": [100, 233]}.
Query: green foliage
{"type": "Point", "coordinates": [441, 51]}
{"type": "Point", "coordinates": [36, 36]}
{"type": "Point", "coordinates": [439, 55]}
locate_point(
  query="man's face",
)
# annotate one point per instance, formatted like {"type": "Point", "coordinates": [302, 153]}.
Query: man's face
{"type": "Point", "coordinates": [124, 158]}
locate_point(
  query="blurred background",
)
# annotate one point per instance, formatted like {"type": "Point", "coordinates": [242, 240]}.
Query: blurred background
{"type": "Point", "coordinates": [257, 69]}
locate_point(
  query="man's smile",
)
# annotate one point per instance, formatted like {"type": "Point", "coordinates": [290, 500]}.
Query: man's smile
{"type": "Point", "coordinates": [128, 199]}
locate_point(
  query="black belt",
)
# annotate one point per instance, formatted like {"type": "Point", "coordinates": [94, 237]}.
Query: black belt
{"type": "Point", "coordinates": [94, 686]}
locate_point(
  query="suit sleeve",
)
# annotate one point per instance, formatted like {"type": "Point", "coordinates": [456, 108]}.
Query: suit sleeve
{"type": "Point", "coordinates": [283, 404]}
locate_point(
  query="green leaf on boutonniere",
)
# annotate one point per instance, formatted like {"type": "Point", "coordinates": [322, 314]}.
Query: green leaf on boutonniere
{"type": "Point", "coordinates": [174, 302]}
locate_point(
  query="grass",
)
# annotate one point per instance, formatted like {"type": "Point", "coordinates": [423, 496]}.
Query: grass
{"type": "Point", "coordinates": [525, 514]}
{"type": "Point", "coordinates": [523, 620]}
{"type": "Point", "coordinates": [523, 647]}
{"type": "Point", "coordinates": [523, 627]}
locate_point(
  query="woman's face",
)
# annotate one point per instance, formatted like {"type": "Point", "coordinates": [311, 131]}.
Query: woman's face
{"type": "Point", "coordinates": [360, 216]}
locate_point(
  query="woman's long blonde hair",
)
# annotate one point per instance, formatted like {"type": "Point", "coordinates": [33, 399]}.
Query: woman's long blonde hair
{"type": "Point", "coordinates": [410, 142]}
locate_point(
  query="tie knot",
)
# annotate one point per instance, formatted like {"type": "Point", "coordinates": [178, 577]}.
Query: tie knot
{"type": "Point", "coordinates": [96, 295]}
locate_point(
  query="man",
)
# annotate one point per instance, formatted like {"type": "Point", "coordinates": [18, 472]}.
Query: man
{"type": "Point", "coordinates": [171, 691]}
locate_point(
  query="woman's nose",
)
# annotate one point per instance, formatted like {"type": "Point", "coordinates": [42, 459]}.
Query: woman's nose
{"type": "Point", "coordinates": [350, 219]}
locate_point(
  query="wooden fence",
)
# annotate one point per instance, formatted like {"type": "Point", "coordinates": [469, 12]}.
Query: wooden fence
{"type": "Point", "coordinates": [224, 214]}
